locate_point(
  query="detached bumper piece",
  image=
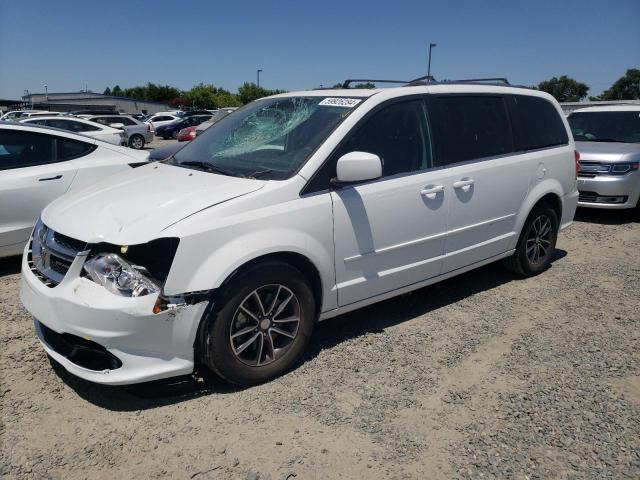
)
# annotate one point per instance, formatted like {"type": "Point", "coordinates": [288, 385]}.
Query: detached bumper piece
{"type": "Point", "coordinates": [81, 352]}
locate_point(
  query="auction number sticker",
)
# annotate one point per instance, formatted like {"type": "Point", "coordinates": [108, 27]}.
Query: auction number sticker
{"type": "Point", "coordinates": [341, 102]}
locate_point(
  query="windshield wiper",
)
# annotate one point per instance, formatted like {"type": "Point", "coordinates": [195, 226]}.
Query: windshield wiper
{"type": "Point", "coordinates": [208, 167]}
{"type": "Point", "coordinates": [260, 172]}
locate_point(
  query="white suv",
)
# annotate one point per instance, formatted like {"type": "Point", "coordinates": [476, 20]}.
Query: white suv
{"type": "Point", "coordinates": [295, 208]}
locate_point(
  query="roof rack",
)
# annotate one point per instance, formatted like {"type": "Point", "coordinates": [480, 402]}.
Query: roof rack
{"type": "Point", "coordinates": [429, 79]}
{"type": "Point", "coordinates": [346, 83]}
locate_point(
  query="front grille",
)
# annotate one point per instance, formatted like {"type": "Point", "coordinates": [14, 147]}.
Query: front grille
{"type": "Point", "coordinates": [591, 169]}
{"type": "Point", "coordinates": [81, 352]}
{"type": "Point", "coordinates": [51, 254]}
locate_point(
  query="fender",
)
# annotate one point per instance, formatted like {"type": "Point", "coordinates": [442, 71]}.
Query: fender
{"type": "Point", "coordinates": [544, 187]}
{"type": "Point", "coordinates": [226, 258]}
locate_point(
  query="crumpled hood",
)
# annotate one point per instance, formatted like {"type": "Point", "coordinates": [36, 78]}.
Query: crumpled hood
{"type": "Point", "coordinates": [136, 205]}
{"type": "Point", "coordinates": [608, 151]}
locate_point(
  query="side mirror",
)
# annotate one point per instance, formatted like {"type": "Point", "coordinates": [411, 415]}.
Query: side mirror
{"type": "Point", "coordinates": [358, 167]}
{"type": "Point", "coordinates": [119, 126]}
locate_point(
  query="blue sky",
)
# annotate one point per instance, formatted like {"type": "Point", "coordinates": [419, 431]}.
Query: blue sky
{"type": "Point", "coordinates": [67, 44]}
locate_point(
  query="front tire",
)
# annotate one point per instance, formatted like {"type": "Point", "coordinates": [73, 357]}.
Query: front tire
{"type": "Point", "coordinates": [261, 326]}
{"type": "Point", "coordinates": [136, 142]}
{"type": "Point", "coordinates": [537, 243]}
{"type": "Point", "coordinates": [174, 135]}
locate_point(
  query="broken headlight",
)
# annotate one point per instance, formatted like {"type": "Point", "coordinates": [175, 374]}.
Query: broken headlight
{"type": "Point", "coordinates": [120, 277]}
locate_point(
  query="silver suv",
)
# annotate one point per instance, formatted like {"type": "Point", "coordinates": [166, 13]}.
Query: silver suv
{"type": "Point", "coordinates": [608, 139]}
{"type": "Point", "coordinates": [138, 133]}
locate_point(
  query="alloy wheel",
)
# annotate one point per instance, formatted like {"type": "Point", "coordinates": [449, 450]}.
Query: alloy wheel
{"type": "Point", "coordinates": [538, 243]}
{"type": "Point", "coordinates": [265, 325]}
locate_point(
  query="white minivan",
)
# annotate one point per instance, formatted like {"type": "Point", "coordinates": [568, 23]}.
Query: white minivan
{"type": "Point", "coordinates": [293, 209]}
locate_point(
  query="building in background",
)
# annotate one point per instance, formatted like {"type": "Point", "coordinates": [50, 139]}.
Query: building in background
{"type": "Point", "coordinates": [65, 102]}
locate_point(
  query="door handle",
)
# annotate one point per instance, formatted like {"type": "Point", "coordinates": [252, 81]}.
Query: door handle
{"type": "Point", "coordinates": [431, 192]}
{"type": "Point", "coordinates": [464, 185]}
{"type": "Point", "coordinates": [57, 177]}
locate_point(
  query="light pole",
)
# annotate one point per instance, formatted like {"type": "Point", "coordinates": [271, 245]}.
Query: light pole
{"type": "Point", "coordinates": [258, 72]}
{"type": "Point", "coordinates": [46, 93]}
{"type": "Point", "coordinates": [431, 45]}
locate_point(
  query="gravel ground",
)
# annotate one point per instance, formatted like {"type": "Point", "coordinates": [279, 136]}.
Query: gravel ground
{"type": "Point", "coordinates": [482, 376]}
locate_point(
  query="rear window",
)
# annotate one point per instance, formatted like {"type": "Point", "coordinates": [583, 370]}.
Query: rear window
{"type": "Point", "coordinates": [537, 124]}
{"type": "Point", "coordinates": [470, 127]}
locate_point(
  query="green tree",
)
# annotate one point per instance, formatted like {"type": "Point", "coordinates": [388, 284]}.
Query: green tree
{"type": "Point", "coordinates": [209, 96]}
{"type": "Point", "coordinates": [248, 92]}
{"type": "Point", "coordinates": [626, 87]}
{"type": "Point", "coordinates": [364, 85]}
{"type": "Point", "coordinates": [117, 91]}
{"type": "Point", "coordinates": [564, 89]}
{"type": "Point", "coordinates": [107, 91]}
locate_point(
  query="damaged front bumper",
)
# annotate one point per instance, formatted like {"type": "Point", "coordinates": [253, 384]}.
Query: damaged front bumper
{"type": "Point", "coordinates": [108, 339]}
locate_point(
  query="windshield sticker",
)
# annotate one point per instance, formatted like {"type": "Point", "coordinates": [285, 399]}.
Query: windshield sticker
{"type": "Point", "coordinates": [341, 102]}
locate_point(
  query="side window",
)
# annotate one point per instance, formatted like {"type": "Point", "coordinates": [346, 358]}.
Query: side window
{"type": "Point", "coordinates": [470, 127]}
{"type": "Point", "coordinates": [398, 134]}
{"type": "Point", "coordinates": [68, 149]}
{"type": "Point", "coordinates": [537, 124]}
{"type": "Point", "coordinates": [83, 127]}
{"type": "Point", "coordinates": [20, 149]}
{"type": "Point", "coordinates": [38, 122]}
{"type": "Point", "coordinates": [101, 120]}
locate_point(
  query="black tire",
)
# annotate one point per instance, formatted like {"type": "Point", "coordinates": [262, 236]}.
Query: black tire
{"type": "Point", "coordinates": [136, 142]}
{"type": "Point", "coordinates": [215, 342]}
{"type": "Point", "coordinates": [521, 262]}
{"type": "Point", "coordinates": [174, 134]}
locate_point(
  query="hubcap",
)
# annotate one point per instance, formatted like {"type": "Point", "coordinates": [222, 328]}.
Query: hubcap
{"type": "Point", "coordinates": [265, 325]}
{"type": "Point", "coordinates": [538, 243]}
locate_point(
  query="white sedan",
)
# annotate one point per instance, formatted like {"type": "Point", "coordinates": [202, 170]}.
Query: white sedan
{"type": "Point", "coordinates": [79, 125]}
{"type": "Point", "coordinates": [37, 165]}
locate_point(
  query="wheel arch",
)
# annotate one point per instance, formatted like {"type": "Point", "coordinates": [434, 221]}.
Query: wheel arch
{"type": "Point", "coordinates": [295, 259]}
{"type": "Point", "coordinates": [550, 192]}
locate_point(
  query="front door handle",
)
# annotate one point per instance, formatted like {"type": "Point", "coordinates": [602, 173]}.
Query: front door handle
{"type": "Point", "coordinates": [464, 185]}
{"type": "Point", "coordinates": [57, 177]}
{"type": "Point", "coordinates": [431, 192]}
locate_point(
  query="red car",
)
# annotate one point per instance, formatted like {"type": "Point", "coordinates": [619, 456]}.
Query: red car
{"type": "Point", "coordinates": [187, 134]}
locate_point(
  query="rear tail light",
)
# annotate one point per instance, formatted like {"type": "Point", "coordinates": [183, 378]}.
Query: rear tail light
{"type": "Point", "coordinates": [576, 155]}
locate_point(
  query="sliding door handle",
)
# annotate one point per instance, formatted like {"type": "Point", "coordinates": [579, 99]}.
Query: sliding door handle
{"type": "Point", "coordinates": [431, 192]}
{"type": "Point", "coordinates": [57, 177]}
{"type": "Point", "coordinates": [464, 185]}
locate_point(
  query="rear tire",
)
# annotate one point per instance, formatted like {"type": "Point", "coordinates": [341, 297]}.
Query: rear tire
{"type": "Point", "coordinates": [537, 243]}
{"type": "Point", "coordinates": [136, 142]}
{"type": "Point", "coordinates": [174, 135]}
{"type": "Point", "coordinates": [251, 336]}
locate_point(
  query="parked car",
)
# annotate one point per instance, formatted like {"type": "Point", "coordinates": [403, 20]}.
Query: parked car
{"type": "Point", "coordinates": [15, 115]}
{"type": "Point", "coordinates": [162, 153]}
{"type": "Point", "coordinates": [140, 116]}
{"type": "Point", "coordinates": [39, 164]}
{"type": "Point", "coordinates": [171, 129]}
{"type": "Point", "coordinates": [297, 208]}
{"type": "Point", "coordinates": [160, 120]}
{"type": "Point", "coordinates": [137, 133]}
{"type": "Point", "coordinates": [91, 112]}
{"type": "Point", "coordinates": [608, 139]}
{"type": "Point", "coordinates": [187, 134]}
{"type": "Point", "coordinates": [219, 115]}
{"type": "Point", "coordinates": [79, 125]}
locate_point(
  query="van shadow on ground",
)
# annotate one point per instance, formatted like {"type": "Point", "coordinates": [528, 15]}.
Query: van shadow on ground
{"type": "Point", "coordinates": [327, 334]}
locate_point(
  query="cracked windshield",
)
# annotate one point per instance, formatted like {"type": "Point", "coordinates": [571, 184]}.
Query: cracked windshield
{"type": "Point", "coordinates": [269, 139]}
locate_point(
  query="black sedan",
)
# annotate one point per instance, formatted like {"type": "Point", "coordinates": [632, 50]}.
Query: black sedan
{"type": "Point", "coordinates": [171, 130]}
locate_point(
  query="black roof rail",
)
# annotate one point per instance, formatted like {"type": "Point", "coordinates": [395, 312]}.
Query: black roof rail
{"type": "Point", "coordinates": [422, 80]}
{"type": "Point", "coordinates": [346, 83]}
{"type": "Point", "coordinates": [481, 80]}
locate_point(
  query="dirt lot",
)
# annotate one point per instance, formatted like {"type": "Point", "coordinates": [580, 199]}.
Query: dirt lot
{"type": "Point", "coordinates": [484, 376]}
